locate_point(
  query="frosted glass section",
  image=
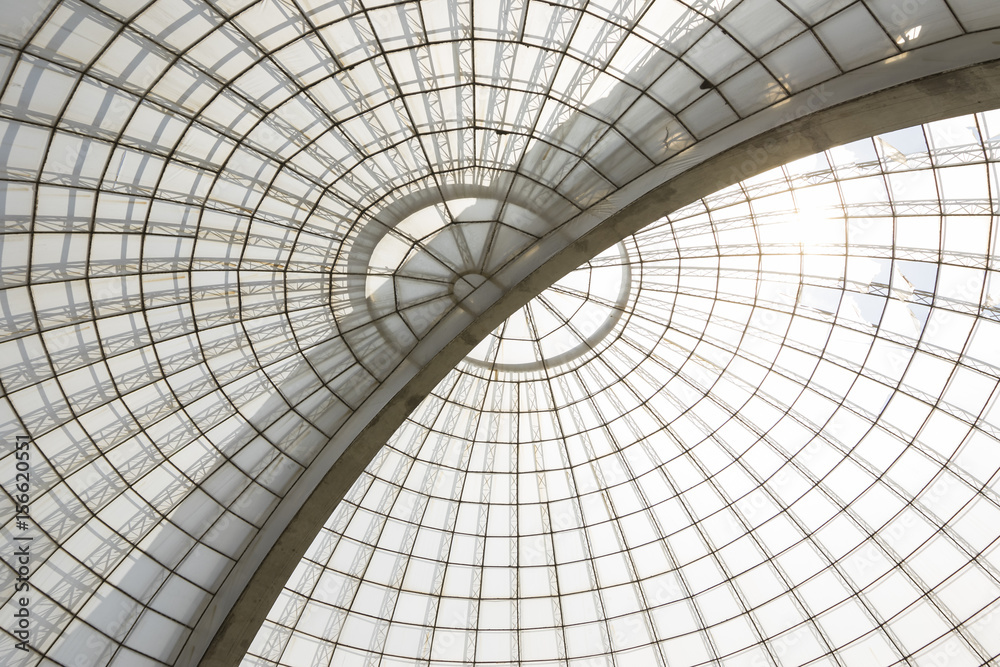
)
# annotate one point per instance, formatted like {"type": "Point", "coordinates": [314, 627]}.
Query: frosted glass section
{"type": "Point", "coordinates": [226, 224]}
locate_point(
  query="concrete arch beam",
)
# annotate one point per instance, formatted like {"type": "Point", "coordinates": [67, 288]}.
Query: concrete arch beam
{"type": "Point", "coordinates": [948, 79]}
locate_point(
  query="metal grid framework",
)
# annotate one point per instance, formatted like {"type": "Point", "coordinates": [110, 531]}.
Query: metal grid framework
{"type": "Point", "coordinates": [785, 453]}
{"type": "Point", "coordinates": [226, 223]}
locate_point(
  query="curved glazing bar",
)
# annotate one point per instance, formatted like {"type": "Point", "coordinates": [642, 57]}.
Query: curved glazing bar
{"type": "Point", "coordinates": [571, 321]}
{"type": "Point", "coordinates": [197, 314]}
{"type": "Point", "coordinates": [786, 454]}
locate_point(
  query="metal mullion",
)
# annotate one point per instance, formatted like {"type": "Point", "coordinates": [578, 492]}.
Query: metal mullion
{"type": "Point", "coordinates": [243, 141]}
{"type": "Point", "coordinates": [463, 473]}
{"type": "Point", "coordinates": [195, 320]}
{"type": "Point", "coordinates": [769, 556]}
{"type": "Point", "coordinates": [409, 116]}
{"type": "Point", "coordinates": [37, 184]}
{"type": "Point", "coordinates": [873, 535]}
{"type": "Point", "coordinates": [778, 503]}
{"type": "Point", "coordinates": [609, 126]}
{"type": "Point", "coordinates": [688, 591]}
{"type": "Point", "coordinates": [482, 528]}
{"type": "Point", "coordinates": [731, 505]}
{"type": "Point", "coordinates": [647, 507]}
{"type": "Point", "coordinates": [844, 406]}
{"type": "Point", "coordinates": [391, 504]}
{"type": "Point", "coordinates": [749, 611]}
{"type": "Point", "coordinates": [911, 502]}
{"type": "Point", "coordinates": [532, 131]}
{"type": "Point", "coordinates": [439, 452]}
{"type": "Point", "coordinates": [704, 536]}
{"type": "Point", "coordinates": [550, 552]}
{"type": "Point", "coordinates": [576, 499]}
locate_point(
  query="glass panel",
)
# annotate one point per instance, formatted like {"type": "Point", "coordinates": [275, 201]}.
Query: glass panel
{"type": "Point", "coordinates": [710, 456]}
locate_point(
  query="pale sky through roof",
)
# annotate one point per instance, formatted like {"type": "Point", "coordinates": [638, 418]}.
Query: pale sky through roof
{"type": "Point", "coordinates": [235, 232]}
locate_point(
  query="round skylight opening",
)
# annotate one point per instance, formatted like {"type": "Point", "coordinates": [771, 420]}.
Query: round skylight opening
{"type": "Point", "coordinates": [424, 258]}
{"type": "Point", "coordinates": [568, 323]}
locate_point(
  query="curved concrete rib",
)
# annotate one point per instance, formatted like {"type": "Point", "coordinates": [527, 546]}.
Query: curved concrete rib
{"type": "Point", "coordinates": [231, 622]}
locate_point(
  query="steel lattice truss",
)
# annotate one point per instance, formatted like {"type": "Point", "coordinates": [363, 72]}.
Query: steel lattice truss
{"type": "Point", "coordinates": [226, 224]}
{"type": "Point", "coordinates": [786, 452]}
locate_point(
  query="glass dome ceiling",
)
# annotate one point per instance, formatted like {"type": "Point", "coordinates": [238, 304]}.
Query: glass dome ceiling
{"type": "Point", "coordinates": [783, 451]}
{"type": "Point", "coordinates": [235, 231]}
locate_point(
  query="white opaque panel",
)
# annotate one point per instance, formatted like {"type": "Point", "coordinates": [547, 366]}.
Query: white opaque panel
{"type": "Point", "coordinates": [912, 24]}
{"type": "Point", "coordinates": [801, 63]}
{"type": "Point", "coordinates": [717, 55]}
{"type": "Point", "coordinates": [975, 14]}
{"type": "Point", "coordinates": [75, 32]}
{"type": "Point", "coordinates": [816, 10]}
{"type": "Point", "coordinates": [226, 225]}
{"type": "Point", "coordinates": [708, 114]}
{"type": "Point", "coordinates": [762, 25]}
{"type": "Point", "coordinates": [752, 90]}
{"type": "Point", "coordinates": [854, 38]}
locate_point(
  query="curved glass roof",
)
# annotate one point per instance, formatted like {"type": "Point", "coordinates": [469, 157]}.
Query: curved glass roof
{"type": "Point", "coordinates": [233, 230]}
{"type": "Point", "coordinates": [780, 447]}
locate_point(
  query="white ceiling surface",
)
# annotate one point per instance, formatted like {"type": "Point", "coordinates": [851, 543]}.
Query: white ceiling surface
{"type": "Point", "coordinates": [227, 225]}
{"type": "Point", "coordinates": [785, 452]}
